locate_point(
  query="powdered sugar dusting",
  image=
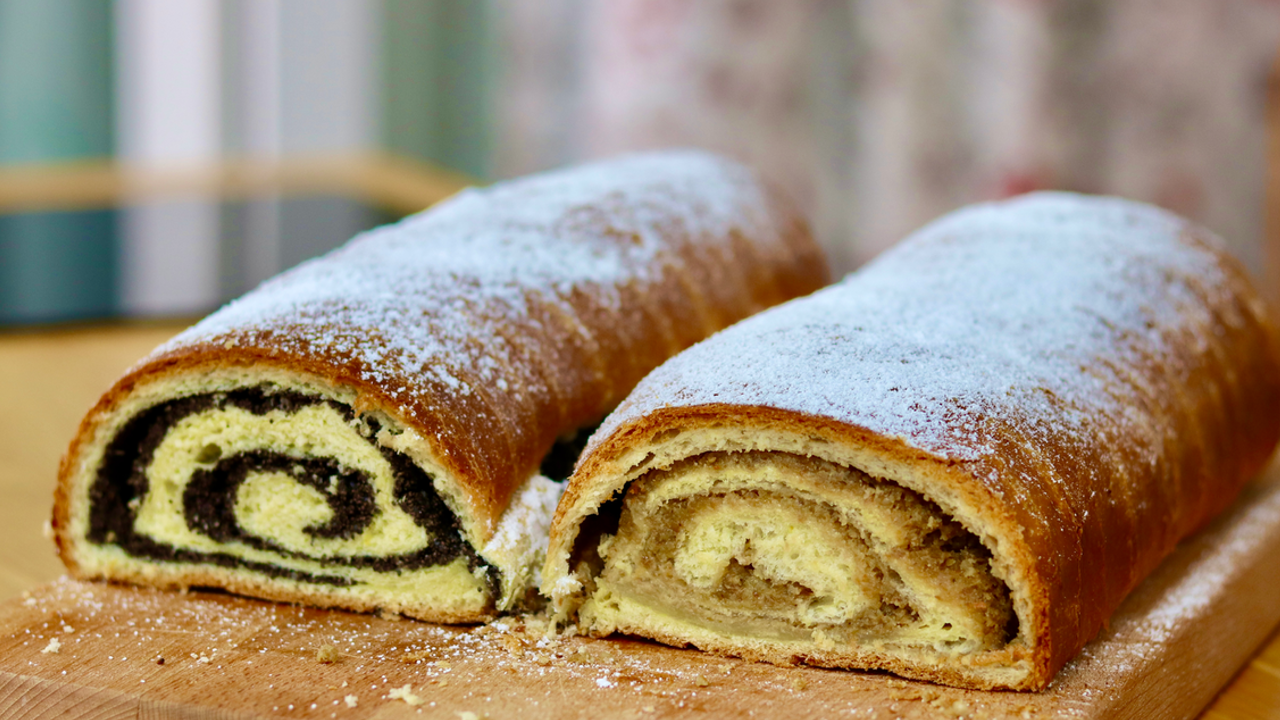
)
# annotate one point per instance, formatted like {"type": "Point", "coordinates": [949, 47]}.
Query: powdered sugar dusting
{"type": "Point", "coordinates": [524, 526]}
{"type": "Point", "coordinates": [520, 542]}
{"type": "Point", "coordinates": [994, 308]}
{"type": "Point", "coordinates": [433, 293]}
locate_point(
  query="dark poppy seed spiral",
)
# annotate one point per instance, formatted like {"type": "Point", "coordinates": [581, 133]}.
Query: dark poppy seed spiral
{"type": "Point", "coordinates": [209, 497]}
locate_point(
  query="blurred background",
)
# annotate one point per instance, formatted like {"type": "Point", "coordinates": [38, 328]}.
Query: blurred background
{"type": "Point", "coordinates": [158, 157]}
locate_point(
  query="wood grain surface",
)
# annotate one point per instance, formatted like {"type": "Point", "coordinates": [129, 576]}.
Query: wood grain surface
{"type": "Point", "coordinates": [1178, 640]}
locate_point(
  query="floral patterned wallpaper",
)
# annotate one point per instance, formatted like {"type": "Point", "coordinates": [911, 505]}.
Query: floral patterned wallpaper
{"type": "Point", "coordinates": [881, 114]}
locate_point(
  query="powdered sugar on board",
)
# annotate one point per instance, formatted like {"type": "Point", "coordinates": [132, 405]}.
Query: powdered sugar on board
{"type": "Point", "coordinates": [416, 302]}
{"type": "Point", "coordinates": [996, 311]}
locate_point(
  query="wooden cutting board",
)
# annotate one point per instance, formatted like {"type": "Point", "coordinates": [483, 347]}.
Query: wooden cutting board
{"type": "Point", "coordinates": [85, 650]}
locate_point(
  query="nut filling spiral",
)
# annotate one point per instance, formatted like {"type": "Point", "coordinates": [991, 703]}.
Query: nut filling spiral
{"type": "Point", "coordinates": [277, 482]}
{"type": "Point", "coordinates": [785, 548]}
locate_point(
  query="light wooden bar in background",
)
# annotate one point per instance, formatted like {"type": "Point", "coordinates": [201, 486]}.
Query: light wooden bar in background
{"type": "Point", "coordinates": [395, 183]}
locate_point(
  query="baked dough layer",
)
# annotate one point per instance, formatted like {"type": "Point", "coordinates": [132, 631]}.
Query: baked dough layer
{"type": "Point", "coordinates": [1067, 385]}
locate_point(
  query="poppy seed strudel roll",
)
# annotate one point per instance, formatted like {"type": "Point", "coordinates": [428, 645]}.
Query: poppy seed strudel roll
{"type": "Point", "coordinates": [952, 465]}
{"type": "Point", "coordinates": [367, 430]}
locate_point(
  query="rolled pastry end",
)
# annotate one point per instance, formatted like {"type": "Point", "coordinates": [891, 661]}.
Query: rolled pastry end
{"type": "Point", "coordinates": [272, 483]}
{"type": "Point", "coordinates": [761, 542]}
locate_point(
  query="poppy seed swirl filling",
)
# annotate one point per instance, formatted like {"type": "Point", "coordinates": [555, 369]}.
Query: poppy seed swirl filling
{"type": "Point", "coordinates": [276, 482]}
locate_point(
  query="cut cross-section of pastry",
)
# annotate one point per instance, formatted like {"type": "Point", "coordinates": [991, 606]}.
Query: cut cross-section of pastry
{"type": "Point", "coordinates": [952, 465]}
{"type": "Point", "coordinates": [373, 429]}
{"type": "Point", "coordinates": [783, 545]}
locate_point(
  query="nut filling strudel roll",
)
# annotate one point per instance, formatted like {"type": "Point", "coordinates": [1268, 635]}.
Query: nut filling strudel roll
{"type": "Point", "coordinates": [373, 429]}
{"type": "Point", "coordinates": [953, 465]}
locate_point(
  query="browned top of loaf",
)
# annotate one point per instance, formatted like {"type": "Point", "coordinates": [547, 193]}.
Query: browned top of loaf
{"type": "Point", "coordinates": [1100, 371]}
{"type": "Point", "coordinates": [505, 317]}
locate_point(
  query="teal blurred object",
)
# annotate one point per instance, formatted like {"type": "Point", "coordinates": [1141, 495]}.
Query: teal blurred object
{"type": "Point", "coordinates": [57, 266]}
{"type": "Point", "coordinates": [56, 105]}
{"type": "Point", "coordinates": [55, 80]}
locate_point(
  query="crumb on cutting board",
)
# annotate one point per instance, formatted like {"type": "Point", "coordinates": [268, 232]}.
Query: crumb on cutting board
{"type": "Point", "coordinates": [406, 694]}
{"type": "Point", "coordinates": [326, 654]}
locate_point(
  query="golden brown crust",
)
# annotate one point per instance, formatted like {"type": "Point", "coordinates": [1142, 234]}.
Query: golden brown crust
{"type": "Point", "coordinates": [489, 358]}
{"type": "Point", "coordinates": [1081, 401]}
